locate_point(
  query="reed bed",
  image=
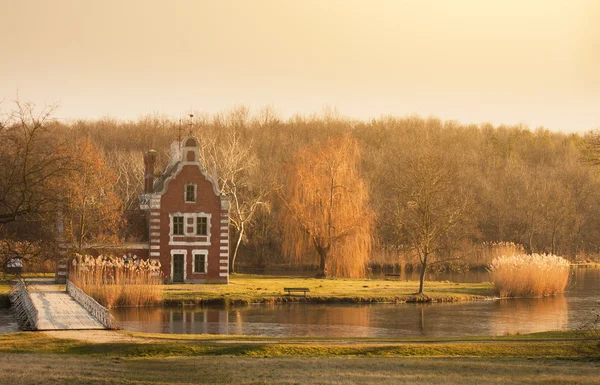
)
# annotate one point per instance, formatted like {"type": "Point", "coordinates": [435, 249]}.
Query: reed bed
{"type": "Point", "coordinates": [116, 281]}
{"type": "Point", "coordinates": [530, 275]}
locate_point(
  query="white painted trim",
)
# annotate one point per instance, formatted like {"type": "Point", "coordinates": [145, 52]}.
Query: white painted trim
{"type": "Point", "coordinates": [184, 243]}
{"type": "Point", "coordinates": [171, 216]}
{"type": "Point", "coordinates": [155, 253]}
{"type": "Point", "coordinates": [180, 166]}
{"type": "Point", "coordinates": [208, 217]}
{"type": "Point", "coordinates": [224, 255]}
{"type": "Point", "coordinates": [199, 252]}
{"type": "Point", "coordinates": [187, 233]}
{"type": "Point", "coordinates": [225, 234]}
{"type": "Point", "coordinates": [155, 213]}
{"type": "Point", "coordinates": [154, 227]}
{"type": "Point", "coordinates": [224, 220]}
{"type": "Point", "coordinates": [154, 220]}
{"type": "Point", "coordinates": [155, 240]}
{"type": "Point", "coordinates": [224, 202]}
{"type": "Point", "coordinates": [223, 268]}
{"type": "Point", "coordinates": [155, 234]}
{"type": "Point", "coordinates": [225, 215]}
{"type": "Point", "coordinates": [223, 274]}
{"type": "Point", "coordinates": [224, 241]}
{"type": "Point", "coordinates": [154, 247]}
{"type": "Point", "coordinates": [224, 247]}
{"type": "Point", "coordinates": [179, 251]}
{"type": "Point", "coordinates": [225, 228]}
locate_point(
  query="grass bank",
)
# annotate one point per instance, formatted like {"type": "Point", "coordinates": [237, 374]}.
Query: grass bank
{"type": "Point", "coordinates": [245, 289]}
{"type": "Point", "coordinates": [130, 345]}
{"type": "Point", "coordinates": [32, 358]}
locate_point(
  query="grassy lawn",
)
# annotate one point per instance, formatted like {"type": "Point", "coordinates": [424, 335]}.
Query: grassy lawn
{"type": "Point", "coordinates": [32, 358]}
{"type": "Point", "coordinates": [51, 369]}
{"type": "Point", "coordinates": [254, 288]}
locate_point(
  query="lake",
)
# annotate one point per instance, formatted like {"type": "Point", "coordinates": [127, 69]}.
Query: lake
{"type": "Point", "coordinates": [497, 317]}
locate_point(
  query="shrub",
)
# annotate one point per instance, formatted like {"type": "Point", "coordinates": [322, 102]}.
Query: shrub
{"type": "Point", "coordinates": [114, 281]}
{"type": "Point", "coordinates": [534, 275]}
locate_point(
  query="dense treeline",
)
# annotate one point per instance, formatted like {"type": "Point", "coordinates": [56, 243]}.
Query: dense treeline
{"type": "Point", "coordinates": [481, 184]}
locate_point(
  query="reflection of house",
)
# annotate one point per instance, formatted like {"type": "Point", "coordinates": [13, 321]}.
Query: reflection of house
{"type": "Point", "coordinates": [187, 218]}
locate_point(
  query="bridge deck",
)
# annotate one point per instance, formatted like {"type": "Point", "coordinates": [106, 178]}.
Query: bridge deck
{"type": "Point", "coordinates": [57, 310]}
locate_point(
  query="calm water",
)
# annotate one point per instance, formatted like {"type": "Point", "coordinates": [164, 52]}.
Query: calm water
{"type": "Point", "coordinates": [496, 317]}
{"type": "Point", "coordinates": [8, 323]}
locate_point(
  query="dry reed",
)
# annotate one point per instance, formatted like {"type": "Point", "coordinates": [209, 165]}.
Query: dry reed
{"type": "Point", "coordinates": [114, 281]}
{"type": "Point", "coordinates": [534, 275]}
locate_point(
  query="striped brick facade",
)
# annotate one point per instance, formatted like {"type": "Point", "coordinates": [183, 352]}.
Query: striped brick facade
{"type": "Point", "coordinates": [188, 233]}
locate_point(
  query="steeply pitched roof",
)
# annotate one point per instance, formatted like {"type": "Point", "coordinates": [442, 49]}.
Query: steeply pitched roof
{"type": "Point", "coordinates": [159, 183]}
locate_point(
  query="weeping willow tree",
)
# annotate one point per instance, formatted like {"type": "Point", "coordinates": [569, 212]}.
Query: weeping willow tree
{"type": "Point", "coordinates": [328, 218]}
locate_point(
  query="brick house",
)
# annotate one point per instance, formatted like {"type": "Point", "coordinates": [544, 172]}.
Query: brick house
{"type": "Point", "coordinates": [187, 218]}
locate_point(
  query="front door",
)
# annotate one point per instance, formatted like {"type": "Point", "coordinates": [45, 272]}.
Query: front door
{"type": "Point", "coordinates": [178, 268]}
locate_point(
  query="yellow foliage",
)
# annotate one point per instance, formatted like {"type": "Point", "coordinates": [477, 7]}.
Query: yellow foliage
{"type": "Point", "coordinates": [328, 209]}
{"type": "Point", "coordinates": [533, 275]}
{"type": "Point", "coordinates": [114, 281]}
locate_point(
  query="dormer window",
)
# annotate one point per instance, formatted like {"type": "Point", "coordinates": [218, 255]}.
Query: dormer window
{"type": "Point", "coordinates": [190, 192]}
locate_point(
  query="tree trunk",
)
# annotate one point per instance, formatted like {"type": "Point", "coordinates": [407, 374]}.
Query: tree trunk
{"type": "Point", "coordinates": [422, 277]}
{"type": "Point", "coordinates": [530, 243]}
{"type": "Point", "coordinates": [237, 247]}
{"type": "Point", "coordinates": [323, 254]}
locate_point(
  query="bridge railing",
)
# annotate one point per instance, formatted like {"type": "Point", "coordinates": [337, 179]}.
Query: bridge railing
{"type": "Point", "coordinates": [91, 305]}
{"type": "Point", "coordinates": [25, 312]}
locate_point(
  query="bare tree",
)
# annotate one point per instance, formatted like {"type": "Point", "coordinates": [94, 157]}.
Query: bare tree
{"type": "Point", "coordinates": [128, 168]}
{"type": "Point", "coordinates": [431, 204]}
{"type": "Point", "coordinates": [32, 158]}
{"type": "Point", "coordinates": [327, 208]}
{"type": "Point", "coordinates": [239, 175]}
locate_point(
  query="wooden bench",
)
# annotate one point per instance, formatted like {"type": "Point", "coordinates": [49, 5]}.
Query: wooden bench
{"type": "Point", "coordinates": [298, 289]}
{"type": "Point", "coordinates": [392, 276]}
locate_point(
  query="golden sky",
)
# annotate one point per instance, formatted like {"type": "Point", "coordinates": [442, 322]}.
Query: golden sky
{"type": "Point", "coordinates": [535, 62]}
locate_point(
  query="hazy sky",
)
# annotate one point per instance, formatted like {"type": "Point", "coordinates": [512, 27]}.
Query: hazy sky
{"type": "Point", "coordinates": [535, 62]}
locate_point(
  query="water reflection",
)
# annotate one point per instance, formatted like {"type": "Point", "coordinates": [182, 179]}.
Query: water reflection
{"type": "Point", "coordinates": [529, 316]}
{"type": "Point", "coordinates": [380, 320]}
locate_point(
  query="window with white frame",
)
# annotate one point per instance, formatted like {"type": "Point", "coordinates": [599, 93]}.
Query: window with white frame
{"type": "Point", "coordinates": [190, 192]}
{"type": "Point", "coordinates": [200, 261]}
{"type": "Point", "coordinates": [177, 226]}
{"type": "Point", "coordinates": [201, 225]}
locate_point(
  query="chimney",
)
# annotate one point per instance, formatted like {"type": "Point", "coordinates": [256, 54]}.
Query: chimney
{"type": "Point", "coordinates": [149, 160]}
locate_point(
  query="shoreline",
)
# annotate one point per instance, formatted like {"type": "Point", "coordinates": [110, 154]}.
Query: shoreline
{"type": "Point", "coordinates": [285, 299]}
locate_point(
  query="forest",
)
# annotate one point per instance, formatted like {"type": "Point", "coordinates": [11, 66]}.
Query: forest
{"type": "Point", "coordinates": [414, 187]}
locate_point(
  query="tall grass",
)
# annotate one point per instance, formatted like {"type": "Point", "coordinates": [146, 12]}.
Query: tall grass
{"type": "Point", "coordinates": [533, 275]}
{"type": "Point", "coordinates": [114, 281]}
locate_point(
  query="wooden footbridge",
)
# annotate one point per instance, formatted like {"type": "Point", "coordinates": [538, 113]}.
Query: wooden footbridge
{"type": "Point", "coordinates": [42, 305]}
